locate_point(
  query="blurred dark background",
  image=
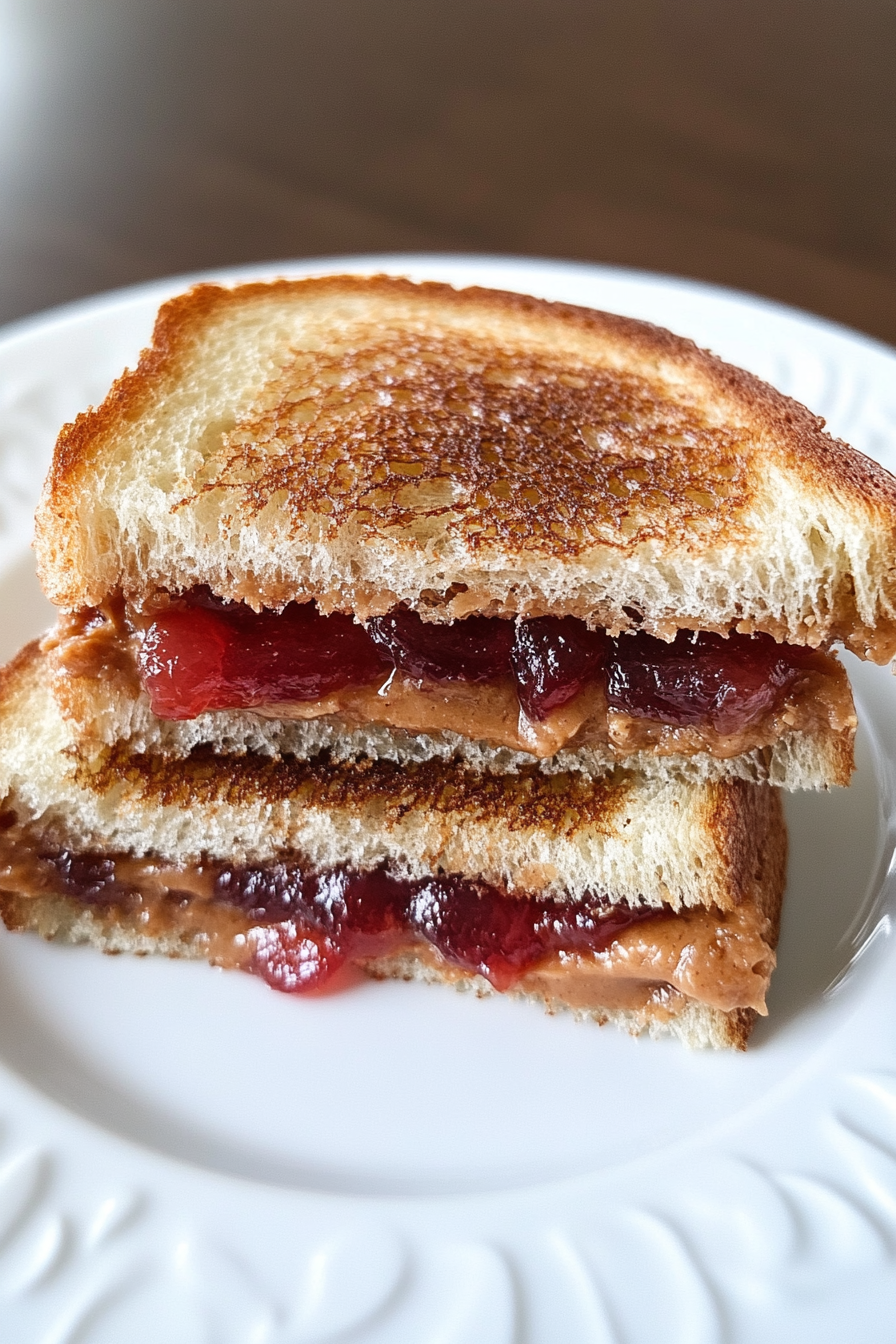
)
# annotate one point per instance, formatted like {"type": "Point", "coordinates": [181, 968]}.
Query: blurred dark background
{"type": "Point", "coordinates": [749, 142]}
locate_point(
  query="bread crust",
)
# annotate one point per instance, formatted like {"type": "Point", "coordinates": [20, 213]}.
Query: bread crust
{"type": "Point", "coordinates": [541, 454]}
{"type": "Point", "coordinates": [792, 424]}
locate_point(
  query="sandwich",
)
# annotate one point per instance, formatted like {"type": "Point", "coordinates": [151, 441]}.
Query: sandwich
{"type": "Point", "coordinates": [405, 629]}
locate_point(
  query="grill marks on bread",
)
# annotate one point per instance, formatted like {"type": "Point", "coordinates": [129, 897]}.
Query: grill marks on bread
{"type": "Point", "coordinates": [428, 435]}
{"type": "Point", "coordinates": [557, 804]}
{"type": "Point", "coordinates": [484, 821]}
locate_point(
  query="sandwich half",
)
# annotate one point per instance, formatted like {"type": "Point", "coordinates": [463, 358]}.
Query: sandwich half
{"type": "Point", "coordinates": [404, 522]}
{"type": "Point", "coordinates": [650, 903]}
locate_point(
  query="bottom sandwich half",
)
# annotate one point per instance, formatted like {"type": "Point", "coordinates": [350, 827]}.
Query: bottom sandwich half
{"type": "Point", "coordinates": [654, 904]}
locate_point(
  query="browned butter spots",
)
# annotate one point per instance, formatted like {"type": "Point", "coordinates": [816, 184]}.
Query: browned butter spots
{"type": "Point", "coordinates": [499, 446]}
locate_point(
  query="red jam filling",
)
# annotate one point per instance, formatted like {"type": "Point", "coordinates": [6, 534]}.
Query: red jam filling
{"type": "Point", "coordinates": [225, 656]}
{"type": "Point", "coordinates": [347, 915]}
{"type": "Point", "coordinates": [553, 658]}
{"type": "Point", "coordinates": [203, 654]}
{"type": "Point", "coordinates": [477, 649]}
{"type": "Point", "coordinates": [306, 926]}
{"type": "Point", "coordinates": [702, 678]}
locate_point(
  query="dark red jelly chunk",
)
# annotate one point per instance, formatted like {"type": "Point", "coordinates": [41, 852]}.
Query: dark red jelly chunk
{"type": "Point", "coordinates": [475, 649]}
{"type": "Point", "coordinates": [89, 877]}
{"type": "Point", "coordinates": [202, 655]}
{"type": "Point", "coordinates": [339, 902]}
{"type": "Point", "coordinates": [554, 658]}
{"type": "Point", "coordinates": [701, 678]}
{"type": "Point", "coordinates": [478, 928]}
{"type": "Point", "coordinates": [502, 937]}
{"type": "Point", "coordinates": [589, 925]}
{"type": "Point", "coordinates": [270, 893]}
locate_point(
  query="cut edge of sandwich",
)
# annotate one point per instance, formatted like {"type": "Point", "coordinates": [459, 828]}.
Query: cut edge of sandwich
{"type": "Point", "coordinates": [663, 842]}
{"type": "Point", "coordinates": [114, 710]}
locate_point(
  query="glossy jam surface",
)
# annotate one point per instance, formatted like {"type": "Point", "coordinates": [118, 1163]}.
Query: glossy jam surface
{"type": "Point", "coordinates": [553, 659]}
{"type": "Point", "coordinates": [215, 655]}
{"type": "Point", "coordinates": [309, 925]}
{"type": "Point", "coordinates": [476, 650]}
{"type": "Point", "coordinates": [204, 654]}
{"type": "Point", "coordinates": [701, 678]}
{"type": "Point", "coordinates": [89, 877]}
{"type": "Point", "coordinates": [302, 927]}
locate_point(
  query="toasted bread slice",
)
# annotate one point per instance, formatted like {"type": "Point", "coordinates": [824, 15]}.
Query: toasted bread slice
{"type": "Point", "coordinates": [704, 865]}
{"type": "Point", "coordinates": [368, 442]}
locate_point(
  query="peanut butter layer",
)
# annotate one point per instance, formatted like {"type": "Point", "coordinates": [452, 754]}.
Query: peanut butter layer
{"type": "Point", "coordinates": [489, 713]}
{"type": "Point", "coordinates": [725, 961]}
{"type": "Point", "coordinates": [819, 702]}
{"type": "Point", "coordinates": [722, 960]}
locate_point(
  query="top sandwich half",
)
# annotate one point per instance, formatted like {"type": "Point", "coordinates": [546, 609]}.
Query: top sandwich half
{"type": "Point", "coordinates": [415, 453]}
{"type": "Point", "coordinates": [372, 442]}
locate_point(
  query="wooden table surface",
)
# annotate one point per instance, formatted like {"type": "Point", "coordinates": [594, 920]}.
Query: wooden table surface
{"type": "Point", "coordinates": [749, 142]}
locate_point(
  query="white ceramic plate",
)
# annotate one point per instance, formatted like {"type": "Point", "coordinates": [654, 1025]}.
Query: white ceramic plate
{"type": "Point", "coordinates": [186, 1156]}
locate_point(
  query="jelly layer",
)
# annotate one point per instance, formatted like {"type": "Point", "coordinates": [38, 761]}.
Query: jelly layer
{"type": "Point", "coordinates": [301, 930]}
{"type": "Point", "coordinates": [535, 685]}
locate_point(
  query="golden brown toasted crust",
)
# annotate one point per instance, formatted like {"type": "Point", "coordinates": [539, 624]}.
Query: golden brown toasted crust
{"type": "Point", "coordinates": [561, 804]}
{"type": "Point", "coordinates": [752, 821]}
{"type": "Point", "coordinates": [557, 431]}
{"type": "Point", "coordinates": [794, 427]}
